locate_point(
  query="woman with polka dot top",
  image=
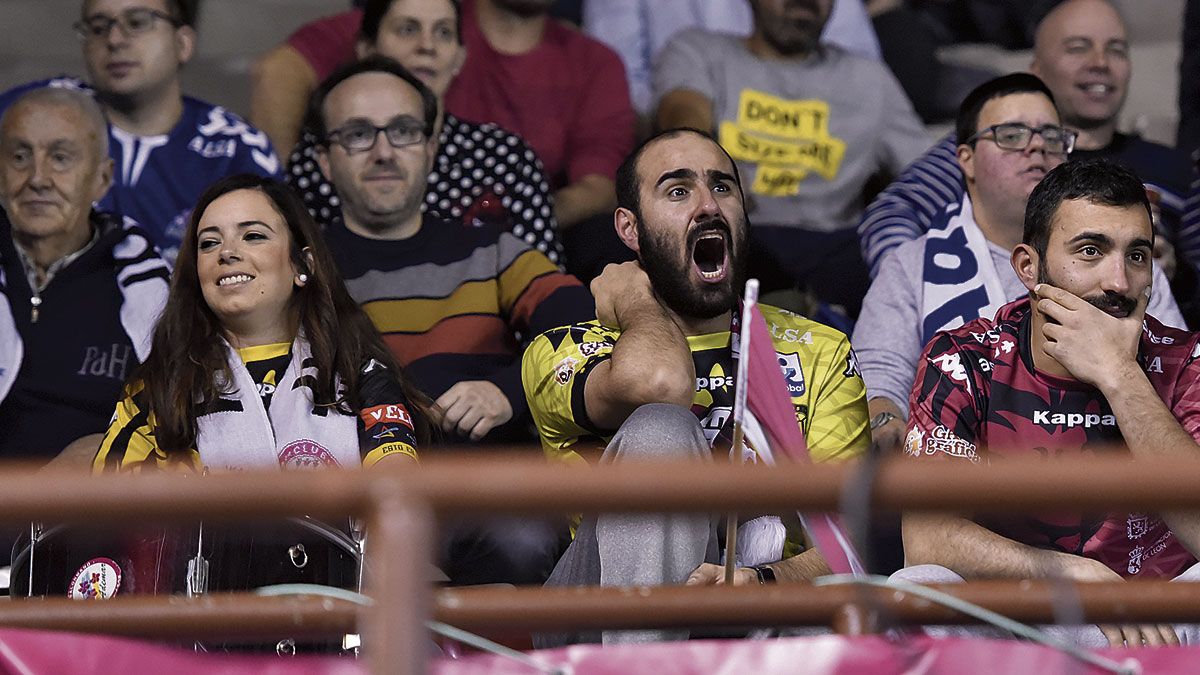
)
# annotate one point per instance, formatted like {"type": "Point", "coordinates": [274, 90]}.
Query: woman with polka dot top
{"type": "Point", "coordinates": [482, 174]}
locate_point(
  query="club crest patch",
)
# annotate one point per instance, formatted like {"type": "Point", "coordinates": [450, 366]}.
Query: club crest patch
{"type": "Point", "coordinates": [98, 579]}
{"type": "Point", "coordinates": [305, 454]}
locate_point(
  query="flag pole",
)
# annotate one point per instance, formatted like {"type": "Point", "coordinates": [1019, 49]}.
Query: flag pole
{"type": "Point", "coordinates": [739, 414]}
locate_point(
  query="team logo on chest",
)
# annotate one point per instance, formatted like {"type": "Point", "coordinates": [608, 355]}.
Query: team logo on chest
{"type": "Point", "coordinates": [305, 454]}
{"type": "Point", "coordinates": [793, 375]}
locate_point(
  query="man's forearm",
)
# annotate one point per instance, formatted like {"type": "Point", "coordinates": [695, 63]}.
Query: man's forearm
{"type": "Point", "coordinates": [651, 359]}
{"type": "Point", "coordinates": [282, 81]}
{"type": "Point", "coordinates": [804, 567]}
{"type": "Point", "coordinates": [975, 552]}
{"type": "Point", "coordinates": [1152, 433]}
{"type": "Point", "coordinates": [589, 196]}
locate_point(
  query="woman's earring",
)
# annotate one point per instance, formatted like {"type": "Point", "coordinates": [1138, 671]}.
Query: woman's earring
{"type": "Point", "coordinates": [302, 278]}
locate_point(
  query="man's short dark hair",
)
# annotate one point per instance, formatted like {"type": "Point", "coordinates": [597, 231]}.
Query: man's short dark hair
{"type": "Point", "coordinates": [966, 124]}
{"type": "Point", "coordinates": [371, 64]}
{"type": "Point", "coordinates": [1096, 181]}
{"type": "Point", "coordinates": [627, 178]}
{"type": "Point", "coordinates": [184, 12]}
{"type": "Point", "coordinates": [375, 10]}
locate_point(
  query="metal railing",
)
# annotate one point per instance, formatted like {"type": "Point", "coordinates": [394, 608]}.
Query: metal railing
{"type": "Point", "coordinates": [400, 509]}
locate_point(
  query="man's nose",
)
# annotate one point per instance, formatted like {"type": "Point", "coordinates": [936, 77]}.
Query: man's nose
{"type": "Point", "coordinates": [708, 202]}
{"type": "Point", "coordinates": [382, 150]}
{"type": "Point", "coordinates": [1116, 278]}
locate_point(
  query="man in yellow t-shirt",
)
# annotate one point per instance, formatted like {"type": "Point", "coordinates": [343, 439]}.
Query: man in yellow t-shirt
{"type": "Point", "coordinates": [652, 378]}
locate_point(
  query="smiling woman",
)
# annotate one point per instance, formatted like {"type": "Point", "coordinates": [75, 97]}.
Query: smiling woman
{"type": "Point", "coordinates": [261, 358]}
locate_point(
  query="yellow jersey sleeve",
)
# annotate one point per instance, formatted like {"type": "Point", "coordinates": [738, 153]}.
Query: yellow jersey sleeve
{"type": "Point", "coordinates": [554, 371]}
{"type": "Point", "coordinates": [129, 444]}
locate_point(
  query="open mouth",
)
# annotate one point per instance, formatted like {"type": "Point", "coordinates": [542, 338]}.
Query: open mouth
{"type": "Point", "coordinates": [710, 255]}
{"type": "Point", "coordinates": [1096, 89]}
{"type": "Point", "coordinates": [234, 279]}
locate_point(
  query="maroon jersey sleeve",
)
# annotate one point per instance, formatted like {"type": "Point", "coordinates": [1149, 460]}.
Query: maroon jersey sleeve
{"type": "Point", "coordinates": [1186, 405]}
{"type": "Point", "coordinates": [944, 418]}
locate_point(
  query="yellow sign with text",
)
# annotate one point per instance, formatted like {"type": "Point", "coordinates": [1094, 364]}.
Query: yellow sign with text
{"type": "Point", "coordinates": [787, 140]}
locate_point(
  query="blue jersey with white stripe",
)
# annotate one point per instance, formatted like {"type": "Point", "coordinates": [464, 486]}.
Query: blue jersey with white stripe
{"type": "Point", "coordinates": [157, 179]}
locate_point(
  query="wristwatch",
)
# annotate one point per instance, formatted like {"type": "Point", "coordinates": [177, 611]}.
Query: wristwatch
{"type": "Point", "coordinates": [765, 574]}
{"type": "Point", "coordinates": [882, 419]}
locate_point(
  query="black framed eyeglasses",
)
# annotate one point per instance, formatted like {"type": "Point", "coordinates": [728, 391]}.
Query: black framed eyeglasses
{"type": "Point", "coordinates": [135, 21]}
{"type": "Point", "coordinates": [1018, 136]}
{"type": "Point", "coordinates": [361, 136]}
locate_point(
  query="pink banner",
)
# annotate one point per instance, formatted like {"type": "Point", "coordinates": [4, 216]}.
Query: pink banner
{"type": "Point", "coordinates": [918, 655]}
{"type": "Point", "coordinates": [768, 401]}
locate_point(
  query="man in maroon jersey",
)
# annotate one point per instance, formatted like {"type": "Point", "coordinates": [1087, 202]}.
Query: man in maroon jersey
{"type": "Point", "coordinates": [1078, 368]}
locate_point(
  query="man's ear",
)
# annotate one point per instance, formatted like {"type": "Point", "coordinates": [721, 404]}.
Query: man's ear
{"type": "Point", "coordinates": [185, 44]}
{"type": "Point", "coordinates": [1025, 262]}
{"type": "Point", "coordinates": [965, 155]}
{"type": "Point", "coordinates": [104, 179]}
{"type": "Point", "coordinates": [626, 224]}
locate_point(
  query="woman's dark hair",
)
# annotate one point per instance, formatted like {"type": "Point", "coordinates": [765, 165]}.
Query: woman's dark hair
{"type": "Point", "coordinates": [187, 354]}
{"type": "Point", "coordinates": [375, 10]}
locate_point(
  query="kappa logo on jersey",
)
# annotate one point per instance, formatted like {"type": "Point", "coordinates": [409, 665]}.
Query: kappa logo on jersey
{"type": "Point", "coordinates": [943, 440]}
{"type": "Point", "coordinates": [951, 364]}
{"type": "Point", "coordinates": [714, 421]}
{"type": "Point", "coordinates": [383, 414]}
{"type": "Point", "coordinates": [1086, 420]}
{"type": "Point", "coordinates": [852, 365]}
{"type": "Point", "coordinates": [717, 379]}
{"type": "Point", "coordinates": [593, 348]}
{"type": "Point", "coordinates": [792, 373]}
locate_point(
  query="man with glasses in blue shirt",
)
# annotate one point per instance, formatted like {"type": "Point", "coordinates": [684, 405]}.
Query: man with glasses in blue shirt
{"type": "Point", "coordinates": [961, 270]}
{"type": "Point", "coordinates": [166, 147]}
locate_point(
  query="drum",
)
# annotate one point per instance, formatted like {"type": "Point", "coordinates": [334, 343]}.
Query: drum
{"type": "Point", "coordinates": [87, 562]}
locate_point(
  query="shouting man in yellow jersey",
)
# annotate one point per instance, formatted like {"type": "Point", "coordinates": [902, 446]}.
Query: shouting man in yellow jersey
{"type": "Point", "coordinates": [652, 378]}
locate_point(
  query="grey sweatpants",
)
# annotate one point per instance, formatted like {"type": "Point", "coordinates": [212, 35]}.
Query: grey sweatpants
{"type": "Point", "coordinates": [640, 549]}
{"type": "Point", "coordinates": [1083, 636]}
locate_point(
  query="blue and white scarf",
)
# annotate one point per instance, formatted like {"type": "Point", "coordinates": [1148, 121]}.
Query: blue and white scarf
{"type": "Point", "coordinates": [959, 281]}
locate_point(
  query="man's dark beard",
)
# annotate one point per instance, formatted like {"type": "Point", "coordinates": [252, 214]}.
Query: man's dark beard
{"type": "Point", "coordinates": [671, 278]}
{"type": "Point", "coordinates": [793, 37]}
{"type": "Point", "coordinates": [1110, 300]}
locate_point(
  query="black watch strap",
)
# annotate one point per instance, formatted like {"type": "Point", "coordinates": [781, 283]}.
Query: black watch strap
{"type": "Point", "coordinates": [765, 574]}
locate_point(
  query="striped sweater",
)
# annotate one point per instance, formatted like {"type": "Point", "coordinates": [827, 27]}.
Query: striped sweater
{"type": "Point", "coordinates": [905, 208]}
{"type": "Point", "coordinates": [453, 303]}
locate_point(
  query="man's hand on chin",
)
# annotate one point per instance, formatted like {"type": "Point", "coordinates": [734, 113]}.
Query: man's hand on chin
{"type": "Point", "coordinates": [1096, 347]}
